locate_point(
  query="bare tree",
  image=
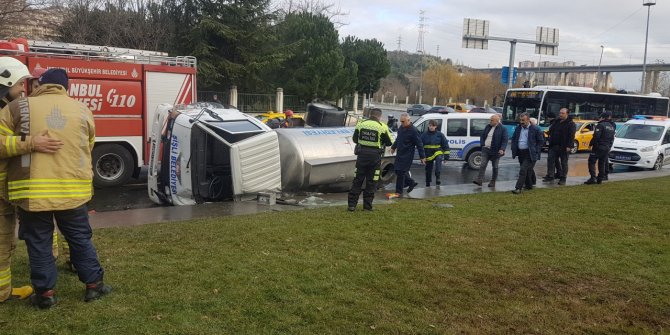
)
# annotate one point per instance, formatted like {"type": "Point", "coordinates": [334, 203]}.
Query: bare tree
{"type": "Point", "coordinates": [330, 10]}
{"type": "Point", "coordinates": [17, 12]}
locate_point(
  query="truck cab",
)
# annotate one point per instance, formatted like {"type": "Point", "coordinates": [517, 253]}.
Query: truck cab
{"type": "Point", "coordinates": [200, 153]}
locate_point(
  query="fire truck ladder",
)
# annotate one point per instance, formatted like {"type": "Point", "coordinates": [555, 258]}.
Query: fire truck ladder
{"type": "Point", "coordinates": [111, 53]}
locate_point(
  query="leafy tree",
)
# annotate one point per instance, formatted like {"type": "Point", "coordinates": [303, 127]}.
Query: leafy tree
{"type": "Point", "coordinates": [371, 59]}
{"type": "Point", "coordinates": [316, 67]}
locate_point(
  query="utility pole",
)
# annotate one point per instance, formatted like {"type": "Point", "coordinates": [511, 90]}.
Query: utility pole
{"type": "Point", "coordinates": [602, 49]}
{"type": "Point", "coordinates": [421, 50]}
{"type": "Point", "coordinates": [399, 42]}
{"type": "Point", "coordinates": [647, 3]}
{"type": "Point", "coordinates": [437, 54]}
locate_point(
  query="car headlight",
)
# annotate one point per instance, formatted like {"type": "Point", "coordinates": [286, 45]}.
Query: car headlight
{"type": "Point", "coordinates": [648, 149]}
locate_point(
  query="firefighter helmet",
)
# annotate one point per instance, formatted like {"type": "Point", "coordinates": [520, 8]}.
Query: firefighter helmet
{"type": "Point", "coordinates": [12, 71]}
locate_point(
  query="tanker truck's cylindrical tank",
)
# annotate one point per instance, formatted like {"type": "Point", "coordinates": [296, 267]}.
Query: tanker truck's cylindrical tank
{"type": "Point", "coordinates": [322, 115]}
{"type": "Point", "coordinates": [321, 159]}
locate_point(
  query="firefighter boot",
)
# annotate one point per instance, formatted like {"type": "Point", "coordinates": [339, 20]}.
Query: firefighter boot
{"type": "Point", "coordinates": [43, 300]}
{"type": "Point", "coordinates": [96, 290]}
{"type": "Point", "coordinates": [20, 293]}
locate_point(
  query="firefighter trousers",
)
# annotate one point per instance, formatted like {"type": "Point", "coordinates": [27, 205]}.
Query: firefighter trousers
{"type": "Point", "coordinates": [7, 247]}
{"type": "Point", "coordinates": [37, 228]}
{"type": "Point", "coordinates": [368, 170]}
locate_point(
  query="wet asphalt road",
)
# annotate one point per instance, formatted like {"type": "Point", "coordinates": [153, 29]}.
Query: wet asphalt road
{"type": "Point", "coordinates": [134, 195]}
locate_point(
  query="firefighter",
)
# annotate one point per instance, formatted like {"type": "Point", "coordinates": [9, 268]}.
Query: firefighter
{"type": "Point", "coordinates": [601, 143]}
{"type": "Point", "coordinates": [43, 194]}
{"type": "Point", "coordinates": [12, 80]}
{"type": "Point", "coordinates": [34, 83]}
{"type": "Point", "coordinates": [371, 138]}
{"type": "Point", "coordinates": [436, 147]}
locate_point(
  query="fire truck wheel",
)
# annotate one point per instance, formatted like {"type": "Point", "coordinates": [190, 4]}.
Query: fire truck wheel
{"type": "Point", "coordinates": [112, 165]}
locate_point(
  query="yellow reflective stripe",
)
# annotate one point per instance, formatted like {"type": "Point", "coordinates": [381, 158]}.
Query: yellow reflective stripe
{"type": "Point", "coordinates": [376, 177]}
{"type": "Point", "coordinates": [6, 277]}
{"type": "Point", "coordinates": [55, 182]}
{"type": "Point", "coordinates": [437, 153]}
{"type": "Point", "coordinates": [5, 131]}
{"type": "Point", "coordinates": [42, 191]}
{"type": "Point", "coordinates": [49, 196]}
{"type": "Point", "coordinates": [55, 239]}
{"type": "Point", "coordinates": [432, 146]}
{"type": "Point", "coordinates": [8, 145]}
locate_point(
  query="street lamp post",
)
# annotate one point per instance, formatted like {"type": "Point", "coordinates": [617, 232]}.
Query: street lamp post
{"type": "Point", "coordinates": [602, 48]}
{"type": "Point", "coordinates": [647, 3]}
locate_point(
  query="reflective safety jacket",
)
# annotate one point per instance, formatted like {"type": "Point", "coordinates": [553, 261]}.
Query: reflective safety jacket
{"type": "Point", "coordinates": [435, 144]}
{"type": "Point", "coordinates": [372, 134]}
{"type": "Point", "coordinates": [10, 146]}
{"type": "Point", "coordinates": [49, 182]}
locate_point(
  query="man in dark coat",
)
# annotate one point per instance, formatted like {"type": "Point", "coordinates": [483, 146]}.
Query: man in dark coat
{"type": "Point", "coordinates": [406, 142]}
{"type": "Point", "coordinates": [561, 140]}
{"type": "Point", "coordinates": [601, 143]}
{"type": "Point", "coordinates": [493, 143]}
{"type": "Point", "coordinates": [527, 144]}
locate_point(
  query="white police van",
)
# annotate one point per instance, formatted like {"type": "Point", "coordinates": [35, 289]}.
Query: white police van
{"type": "Point", "coordinates": [462, 130]}
{"type": "Point", "coordinates": [643, 142]}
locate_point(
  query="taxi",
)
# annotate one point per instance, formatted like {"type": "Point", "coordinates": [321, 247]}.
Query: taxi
{"type": "Point", "coordinates": [278, 120]}
{"type": "Point", "coordinates": [583, 135]}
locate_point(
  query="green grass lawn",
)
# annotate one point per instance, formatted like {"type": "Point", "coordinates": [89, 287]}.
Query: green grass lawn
{"type": "Point", "coordinates": [585, 259]}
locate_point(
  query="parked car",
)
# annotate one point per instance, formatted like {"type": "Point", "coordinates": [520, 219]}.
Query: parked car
{"type": "Point", "coordinates": [441, 110]}
{"type": "Point", "coordinates": [418, 109]}
{"type": "Point", "coordinates": [498, 109]}
{"type": "Point", "coordinates": [460, 107]}
{"type": "Point", "coordinates": [643, 142]}
{"type": "Point", "coordinates": [583, 135]}
{"type": "Point", "coordinates": [483, 110]}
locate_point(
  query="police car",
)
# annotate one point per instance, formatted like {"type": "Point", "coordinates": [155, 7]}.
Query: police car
{"type": "Point", "coordinates": [462, 130]}
{"type": "Point", "coordinates": [643, 142]}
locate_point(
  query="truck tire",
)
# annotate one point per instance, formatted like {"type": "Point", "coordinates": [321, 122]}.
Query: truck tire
{"type": "Point", "coordinates": [475, 160]}
{"type": "Point", "coordinates": [387, 174]}
{"type": "Point", "coordinates": [113, 165]}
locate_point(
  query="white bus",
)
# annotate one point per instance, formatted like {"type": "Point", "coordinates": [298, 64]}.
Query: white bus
{"type": "Point", "coordinates": [544, 102]}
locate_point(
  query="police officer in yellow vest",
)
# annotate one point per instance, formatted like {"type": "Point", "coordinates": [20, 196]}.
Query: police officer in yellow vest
{"type": "Point", "coordinates": [12, 80]}
{"type": "Point", "coordinates": [48, 187]}
{"type": "Point", "coordinates": [371, 137]}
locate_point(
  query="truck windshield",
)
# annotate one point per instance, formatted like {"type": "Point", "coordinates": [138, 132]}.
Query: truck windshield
{"type": "Point", "coordinates": [643, 132]}
{"type": "Point", "coordinates": [238, 126]}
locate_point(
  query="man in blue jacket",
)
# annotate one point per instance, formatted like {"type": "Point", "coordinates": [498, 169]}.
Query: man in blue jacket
{"type": "Point", "coordinates": [405, 143]}
{"type": "Point", "coordinates": [436, 147]}
{"type": "Point", "coordinates": [493, 142]}
{"type": "Point", "coordinates": [527, 143]}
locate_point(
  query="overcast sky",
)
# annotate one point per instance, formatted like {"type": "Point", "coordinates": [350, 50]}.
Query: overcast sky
{"type": "Point", "coordinates": [584, 25]}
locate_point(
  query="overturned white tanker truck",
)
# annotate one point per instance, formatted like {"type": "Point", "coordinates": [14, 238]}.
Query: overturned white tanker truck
{"type": "Point", "coordinates": [203, 153]}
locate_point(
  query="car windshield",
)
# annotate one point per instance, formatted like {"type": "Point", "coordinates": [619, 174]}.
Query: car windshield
{"type": "Point", "coordinates": [643, 132]}
{"type": "Point", "coordinates": [578, 125]}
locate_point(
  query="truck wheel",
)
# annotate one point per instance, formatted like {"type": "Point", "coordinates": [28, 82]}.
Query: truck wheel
{"type": "Point", "coordinates": [387, 174]}
{"type": "Point", "coordinates": [112, 165]}
{"type": "Point", "coordinates": [475, 160]}
{"type": "Point", "coordinates": [659, 163]}
{"type": "Point", "coordinates": [575, 148]}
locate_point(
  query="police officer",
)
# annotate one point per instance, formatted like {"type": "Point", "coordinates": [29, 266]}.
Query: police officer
{"type": "Point", "coordinates": [601, 143]}
{"type": "Point", "coordinates": [371, 137]}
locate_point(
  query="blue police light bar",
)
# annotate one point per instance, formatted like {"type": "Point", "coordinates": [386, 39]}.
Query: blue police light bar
{"type": "Point", "coordinates": [649, 117]}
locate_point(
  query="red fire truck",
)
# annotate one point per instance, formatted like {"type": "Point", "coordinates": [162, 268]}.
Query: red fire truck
{"type": "Point", "coordinates": [122, 87]}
